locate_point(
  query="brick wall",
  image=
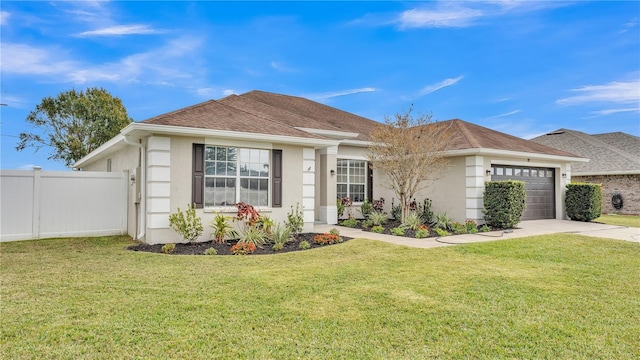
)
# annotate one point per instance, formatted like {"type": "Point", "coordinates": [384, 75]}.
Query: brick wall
{"type": "Point", "coordinates": [626, 185]}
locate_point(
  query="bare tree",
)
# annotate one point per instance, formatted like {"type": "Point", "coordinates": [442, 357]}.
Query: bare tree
{"type": "Point", "coordinates": [409, 150]}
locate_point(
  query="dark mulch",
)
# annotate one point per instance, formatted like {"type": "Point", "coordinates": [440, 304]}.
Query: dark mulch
{"type": "Point", "coordinates": [390, 224]}
{"type": "Point", "coordinates": [224, 249]}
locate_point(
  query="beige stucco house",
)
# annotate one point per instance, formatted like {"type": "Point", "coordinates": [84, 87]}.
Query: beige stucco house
{"type": "Point", "coordinates": [275, 151]}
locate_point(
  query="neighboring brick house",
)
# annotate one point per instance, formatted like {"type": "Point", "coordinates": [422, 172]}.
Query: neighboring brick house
{"type": "Point", "coordinates": [615, 163]}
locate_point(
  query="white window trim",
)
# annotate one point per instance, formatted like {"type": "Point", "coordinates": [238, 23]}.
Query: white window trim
{"type": "Point", "coordinates": [366, 166]}
{"type": "Point", "coordinates": [232, 209]}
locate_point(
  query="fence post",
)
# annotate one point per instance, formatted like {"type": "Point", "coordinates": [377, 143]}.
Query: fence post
{"type": "Point", "coordinates": [35, 216]}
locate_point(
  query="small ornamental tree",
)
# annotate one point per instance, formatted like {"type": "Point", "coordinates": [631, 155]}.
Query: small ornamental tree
{"type": "Point", "coordinates": [187, 224]}
{"type": "Point", "coordinates": [504, 203]}
{"type": "Point", "coordinates": [583, 201]}
{"type": "Point", "coordinates": [409, 150]}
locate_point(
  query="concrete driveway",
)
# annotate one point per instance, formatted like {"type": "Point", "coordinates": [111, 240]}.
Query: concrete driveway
{"type": "Point", "coordinates": [524, 229]}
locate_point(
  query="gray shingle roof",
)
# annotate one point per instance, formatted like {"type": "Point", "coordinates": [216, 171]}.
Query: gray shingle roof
{"type": "Point", "coordinates": [609, 153]}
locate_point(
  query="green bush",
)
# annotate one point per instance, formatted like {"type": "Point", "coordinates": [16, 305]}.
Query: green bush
{"type": "Point", "coordinates": [422, 232]}
{"type": "Point", "coordinates": [441, 232]}
{"type": "Point", "coordinates": [504, 203]}
{"type": "Point", "coordinates": [583, 201]}
{"type": "Point", "coordinates": [295, 220]}
{"type": "Point", "coordinates": [211, 251]}
{"type": "Point", "coordinates": [351, 222]}
{"type": "Point", "coordinates": [304, 245]}
{"type": "Point", "coordinates": [471, 226]}
{"type": "Point", "coordinates": [334, 231]}
{"type": "Point", "coordinates": [413, 221]}
{"type": "Point", "coordinates": [377, 229]}
{"type": "Point", "coordinates": [458, 228]}
{"type": "Point", "coordinates": [168, 248]}
{"type": "Point", "coordinates": [484, 228]}
{"type": "Point", "coordinates": [281, 234]}
{"type": "Point", "coordinates": [442, 221]}
{"type": "Point", "coordinates": [366, 208]}
{"type": "Point", "coordinates": [187, 224]}
{"type": "Point", "coordinates": [398, 231]}
{"type": "Point", "coordinates": [222, 228]}
{"type": "Point", "coordinates": [425, 212]}
{"type": "Point", "coordinates": [377, 218]}
{"type": "Point", "coordinates": [278, 247]}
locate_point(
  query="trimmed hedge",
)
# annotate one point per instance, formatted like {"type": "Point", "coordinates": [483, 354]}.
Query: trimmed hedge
{"type": "Point", "coordinates": [504, 203]}
{"type": "Point", "coordinates": [583, 201]}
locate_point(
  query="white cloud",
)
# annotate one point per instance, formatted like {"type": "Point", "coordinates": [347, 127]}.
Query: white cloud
{"type": "Point", "coordinates": [439, 85]}
{"type": "Point", "coordinates": [282, 68]}
{"type": "Point", "coordinates": [505, 114]}
{"type": "Point", "coordinates": [119, 30]}
{"type": "Point", "coordinates": [330, 95]}
{"type": "Point", "coordinates": [25, 59]}
{"type": "Point", "coordinates": [616, 91]}
{"type": "Point", "coordinates": [458, 17]}
{"type": "Point", "coordinates": [4, 16]}
{"type": "Point", "coordinates": [228, 92]}
{"type": "Point", "coordinates": [615, 111]}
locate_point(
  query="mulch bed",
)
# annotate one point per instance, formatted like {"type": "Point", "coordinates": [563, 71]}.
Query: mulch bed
{"type": "Point", "coordinates": [224, 248]}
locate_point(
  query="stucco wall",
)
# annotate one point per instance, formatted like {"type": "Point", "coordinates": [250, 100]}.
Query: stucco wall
{"type": "Point", "coordinates": [126, 158]}
{"type": "Point", "coordinates": [181, 182]}
{"type": "Point", "coordinates": [626, 185]}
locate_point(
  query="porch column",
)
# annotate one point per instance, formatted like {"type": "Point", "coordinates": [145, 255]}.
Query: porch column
{"type": "Point", "coordinates": [158, 184]}
{"type": "Point", "coordinates": [308, 187]}
{"type": "Point", "coordinates": [328, 191]}
{"type": "Point", "coordinates": [475, 177]}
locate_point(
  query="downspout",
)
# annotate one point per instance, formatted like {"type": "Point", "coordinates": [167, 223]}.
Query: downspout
{"type": "Point", "coordinates": [143, 186]}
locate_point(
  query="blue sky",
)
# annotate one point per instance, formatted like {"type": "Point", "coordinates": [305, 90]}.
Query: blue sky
{"type": "Point", "coordinates": [524, 68]}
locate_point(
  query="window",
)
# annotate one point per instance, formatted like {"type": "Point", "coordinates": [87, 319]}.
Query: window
{"type": "Point", "coordinates": [352, 179]}
{"type": "Point", "coordinates": [236, 174]}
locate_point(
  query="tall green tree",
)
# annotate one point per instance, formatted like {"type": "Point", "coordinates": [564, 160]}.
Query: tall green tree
{"type": "Point", "coordinates": [74, 123]}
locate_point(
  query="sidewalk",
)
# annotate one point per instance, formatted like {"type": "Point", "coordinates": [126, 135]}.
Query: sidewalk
{"type": "Point", "coordinates": [524, 229]}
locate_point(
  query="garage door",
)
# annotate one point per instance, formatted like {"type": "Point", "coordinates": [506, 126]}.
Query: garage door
{"type": "Point", "coordinates": [540, 185]}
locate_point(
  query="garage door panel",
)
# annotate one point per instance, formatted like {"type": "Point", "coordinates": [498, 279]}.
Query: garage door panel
{"type": "Point", "coordinates": [540, 187]}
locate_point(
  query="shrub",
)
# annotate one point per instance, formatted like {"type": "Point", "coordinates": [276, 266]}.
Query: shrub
{"type": "Point", "coordinates": [377, 218]}
{"type": "Point", "coordinates": [422, 232]}
{"type": "Point", "coordinates": [378, 205]}
{"type": "Point", "coordinates": [211, 251]}
{"type": "Point", "coordinates": [326, 239]}
{"type": "Point", "coordinates": [247, 213]}
{"type": "Point", "coordinates": [484, 228]}
{"type": "Point", "coordinates": [350, 222]}
{"type": "Point", "coordinates": [265, 223]}
{"type": "Point", "coordinates": [504, 203]}
{"type": "Point", "coordinates": [471, 226]}
{"type": "Point", "coordinates": [168, 248]}
{"type": "Point", "coordinates": [458, 228]}
{"type": "Point", "coordinates": [413, 221]}
{"type": "Point", "coordinates": [366, 208]}
{"type": "Point", "coordinates": [243, 248]}
{"type": "Point", "coordinates": [334, 231]}
{"type": "Point", "coordinates": [583, 201]}
{"type": "Point", "coordinates": [222, 228]}
{"type": "Point", "coordinates": [304, 245]}
{"type": "Point", "coordinates": [396, 211]}
{"type": "Point", "coordinates": [442, 221]}
{"type": "Point", "coordinates": [424, 211]}
{"type": "Point", "coordinates": [398, 231]}
{"type": "Point", "coordinates": [295, 220]}
{"type": "Point", "coordinates": [187, 224]}
{"type": "Point", "coordinates": [441, 232]}
{"type": "Point", "coordinates": [281, 234]}
{"type": "Point", "coordinates": [340, 206]}
{"type": "Point", "coordinates": [377, 229]}
{"type": "Point", "coordinates": [278, 246]}
{"type": "Point", "coordinates": [253, 235]}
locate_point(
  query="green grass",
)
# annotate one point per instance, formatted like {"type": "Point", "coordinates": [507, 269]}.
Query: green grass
{"type": "Point", "coordinates": [558, 296]}
{"type": "Point", "coordinates": [624, 220]}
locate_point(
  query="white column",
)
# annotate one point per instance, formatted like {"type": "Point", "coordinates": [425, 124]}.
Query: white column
{"type": "Point", "coordinates": [308, 187]}
{"type": "Point", "coordinates": [328, 209]}
{"type": "Point", "coordinates": [158, 182]}
{"type": "Point", "coordinates": [475, 174]}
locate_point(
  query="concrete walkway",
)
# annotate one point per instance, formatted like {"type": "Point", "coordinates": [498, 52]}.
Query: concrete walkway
{"type": "Point", "coordinates": [524, 229]}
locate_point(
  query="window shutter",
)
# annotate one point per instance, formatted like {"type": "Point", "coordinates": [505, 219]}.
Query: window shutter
{"type": "Point", "coordinates": [369, 181]}
{"type": "Point", "coordinates": [197, 186]}
{"type": "Point", "coordinates": [276, 200]}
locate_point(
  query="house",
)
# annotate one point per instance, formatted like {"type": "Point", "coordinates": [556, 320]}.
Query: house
{"type": "Point", "coordinates": [275, 151]}
{"type": "Point", "coordinates": [615, 163]}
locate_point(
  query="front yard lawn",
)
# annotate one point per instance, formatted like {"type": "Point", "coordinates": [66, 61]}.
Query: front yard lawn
{"type": "Point", "coordinates": [624, 220]}
{"type": "Point", "coordinates": [555, 296]}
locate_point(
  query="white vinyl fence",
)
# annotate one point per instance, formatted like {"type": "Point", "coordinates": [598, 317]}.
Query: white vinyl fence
{"type": "Point", "coordinates": [44, 204]}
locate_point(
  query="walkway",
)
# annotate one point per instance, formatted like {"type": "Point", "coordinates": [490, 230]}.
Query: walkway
{"type": "Point", "coordinates": [525, 228]}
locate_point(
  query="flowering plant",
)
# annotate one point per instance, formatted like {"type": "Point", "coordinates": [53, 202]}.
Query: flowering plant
{"type": "Point", "coordinates": [326, 239]}
{"type": "Point", "coordinates": [243, 248]}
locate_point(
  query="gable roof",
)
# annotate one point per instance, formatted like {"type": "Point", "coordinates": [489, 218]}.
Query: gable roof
{"type": "Point", "coordinates": [472, 136]}
{"type": "Point", "coordinates": [611, 153]}
{"type": "Point", "coordinates": [326, 116]}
